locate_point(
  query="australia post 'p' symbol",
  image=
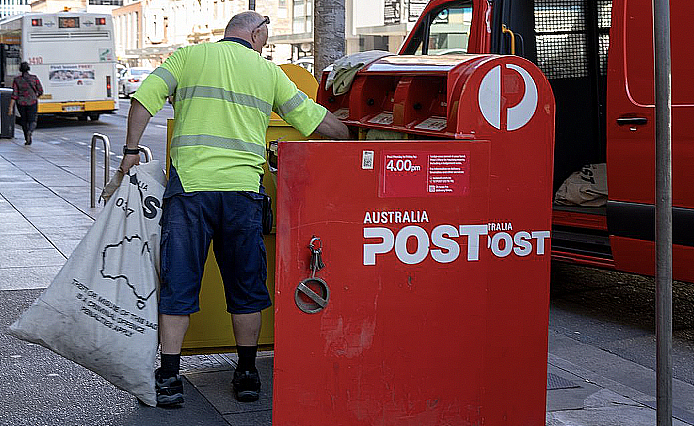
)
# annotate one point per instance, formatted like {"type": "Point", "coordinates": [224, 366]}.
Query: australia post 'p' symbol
{"type": "Point", "coordinates": [512, 109]}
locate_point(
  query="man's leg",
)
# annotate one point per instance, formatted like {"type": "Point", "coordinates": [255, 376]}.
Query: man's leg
{"type": "Point", "coordinates": [240, 240]}
{"type": "Point", "coordinates": [184, 246]}
{"type": "Point", "coordinates": [247, 328]}
{"type": "Point", "coordinates": [172, 330]}
{"type": "Point", "coordinates": [247, 332]}
{"type": "Point", "coordinates": [246, 380]}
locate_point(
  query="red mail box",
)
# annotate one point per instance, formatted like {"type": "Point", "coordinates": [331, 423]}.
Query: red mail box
{"type": "Point", "coordinates": [432, 307]}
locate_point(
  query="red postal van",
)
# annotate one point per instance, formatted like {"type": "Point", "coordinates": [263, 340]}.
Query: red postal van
{"type": "Point", "coordinates": [598, 58]}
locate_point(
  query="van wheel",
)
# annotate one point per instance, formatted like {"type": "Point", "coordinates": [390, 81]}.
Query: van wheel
{"type": "Point", "coordinates": [82, 117]}
{"type": "Point", "coordinates": [94, 116]}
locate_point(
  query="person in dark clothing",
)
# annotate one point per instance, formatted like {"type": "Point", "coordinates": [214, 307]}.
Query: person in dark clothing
{"type": "Point", "coordinates": [26, 90]}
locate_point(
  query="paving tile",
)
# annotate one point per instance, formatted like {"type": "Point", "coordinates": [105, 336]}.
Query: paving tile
{"type": "Point", "coordinates": [66, 246]}
{"type": "Point", "coordinates": [29, 190]}
{"type": "Point", "coordinates": [216, 386]}
{"type": "Point", "coordinates": [65, 216]}
{"type": "Point", "coordinates": [37, 211]}
{"type": "Point", "coordinates": [255, 418]}
{"type": "Point", "coordinates": [62, 181]}
{"type": "Point", "coordinates": [27, 278]}
{"type": "Point", "coordinates": [10, 218]}
{"type": "Point", "coordinates": [17, 228]}
{"type": "Point", "coordinates": [70, 232]}
{"type": "Point", "coordinates": [13, 178]}
{"type": "Point", "coordinates": [32, 240]}
{"type": "Point", "coordinates": [53, 203]}
{"type": "Point", "coordinates": [606, 416]}
{"type": "Point", "coordinates": [72, 220]}
{"type": "Point", "coordinates": [23, 258]}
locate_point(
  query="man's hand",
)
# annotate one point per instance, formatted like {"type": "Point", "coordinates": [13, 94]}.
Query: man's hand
{"type": "Point", "coordinates": [128, 161]}
{"type": "Point", "coordinates": [332, 128]}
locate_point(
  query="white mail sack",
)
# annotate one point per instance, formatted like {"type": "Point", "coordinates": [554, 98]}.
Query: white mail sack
{"type": "Point", "coordinates": [586, 187]}
{"type": "Point", "coordinates": [100, 311]}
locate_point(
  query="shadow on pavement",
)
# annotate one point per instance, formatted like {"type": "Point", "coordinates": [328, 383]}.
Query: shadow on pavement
{"type": "Point", "coordinates": [51, 121]}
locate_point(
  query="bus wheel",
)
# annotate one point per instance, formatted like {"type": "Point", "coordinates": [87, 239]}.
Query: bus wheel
{"type": "Point", "coordinates": [82, 117]}
{"type": "Point", "coordinates": [94, 116]}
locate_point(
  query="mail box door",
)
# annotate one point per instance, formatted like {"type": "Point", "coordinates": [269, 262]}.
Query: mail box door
{"type": "Point", "coordinates": [392, 329]}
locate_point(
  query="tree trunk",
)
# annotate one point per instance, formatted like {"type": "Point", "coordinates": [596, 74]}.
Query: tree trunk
{"type": "Point", "coordinates": [328, 34]}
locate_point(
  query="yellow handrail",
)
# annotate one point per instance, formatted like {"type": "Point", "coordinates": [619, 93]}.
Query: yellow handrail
{"type": "Point", "coordinates": [505, 30]}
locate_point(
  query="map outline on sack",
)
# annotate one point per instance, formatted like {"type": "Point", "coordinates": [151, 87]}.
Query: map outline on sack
{"type": "Point", "coordinates": [144, 250]}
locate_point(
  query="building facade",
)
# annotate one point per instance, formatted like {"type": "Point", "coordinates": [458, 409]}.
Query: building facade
{"type": "Point", "coordinates": [369, 25]}
{"type": "Point", "coordinates": [95, 6]}
{"type": "Point", "coordinates": [148, 31]}
{"type": "Point", "coordinates": [13, 7]}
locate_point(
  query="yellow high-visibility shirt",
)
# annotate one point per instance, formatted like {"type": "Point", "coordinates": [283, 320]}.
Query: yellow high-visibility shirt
{"type": "Point", "coordinates": [224, 93]}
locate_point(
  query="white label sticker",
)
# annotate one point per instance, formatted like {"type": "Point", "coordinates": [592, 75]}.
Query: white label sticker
{"type": "Point", "coordinates": [432, 123]}
{"type": "Point", "coordinates": [367, 160]}
{"type": "Point", "coordinates": [385, 118]}
{"type": "Point", "coordinates": [342, 113]}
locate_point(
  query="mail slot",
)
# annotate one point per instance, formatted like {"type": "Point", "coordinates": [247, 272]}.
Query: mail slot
{"type": "Point", "coordinates": [436, 250]}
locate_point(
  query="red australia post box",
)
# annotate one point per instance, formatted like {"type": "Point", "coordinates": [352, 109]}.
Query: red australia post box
{"type": "Point", "coordinates": [432, 305]}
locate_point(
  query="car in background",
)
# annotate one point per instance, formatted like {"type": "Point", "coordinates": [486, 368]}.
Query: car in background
{"type": "Point", "coordinates": [305, 62]}
{"type": "Point", "coordinates": [131, 79]}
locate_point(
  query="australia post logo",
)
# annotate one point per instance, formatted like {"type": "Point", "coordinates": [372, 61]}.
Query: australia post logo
{"type": "Point", "coordinates": [409, 236]}
{"type": "Point", "coordinates": [507, 97]}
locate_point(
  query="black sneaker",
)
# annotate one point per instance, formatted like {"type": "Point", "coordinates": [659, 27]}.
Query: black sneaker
{"type": "Point", "coordinates": [169, 391]}
{"type": "Point", "coordinates": [246, 385]}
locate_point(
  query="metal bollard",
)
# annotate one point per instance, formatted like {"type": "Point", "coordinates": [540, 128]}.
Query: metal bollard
{"type": "Point", "coordinates": [107, 155]}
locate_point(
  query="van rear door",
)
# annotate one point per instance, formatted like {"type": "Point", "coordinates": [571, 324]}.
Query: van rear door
{"type": "Point", "coordinates": [631, 139]}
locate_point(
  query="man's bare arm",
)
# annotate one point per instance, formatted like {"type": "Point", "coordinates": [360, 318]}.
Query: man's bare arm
{"type": "Point", "coordinates": [332, 128]}
{"type": "Point", "coordinates": [138, 118]}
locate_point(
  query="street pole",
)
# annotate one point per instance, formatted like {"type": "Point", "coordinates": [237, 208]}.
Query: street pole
{"type": "Point", "coordinates": [663, 210]}
{"type": "Point", "coordinates": [328, 34]}
{"type": "Point", "coordinates": [251, 4]}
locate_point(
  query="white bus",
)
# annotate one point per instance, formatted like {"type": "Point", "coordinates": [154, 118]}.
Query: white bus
{"type": "Point", "coordinates": [72, 53]}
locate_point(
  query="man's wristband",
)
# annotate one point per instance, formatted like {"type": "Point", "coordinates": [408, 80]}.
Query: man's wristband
{"type": "Point", "coordinates": [130, 151]}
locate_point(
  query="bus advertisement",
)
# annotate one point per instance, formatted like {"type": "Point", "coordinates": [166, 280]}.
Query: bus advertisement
{"type": "Point", "coordinates": [72, 53]}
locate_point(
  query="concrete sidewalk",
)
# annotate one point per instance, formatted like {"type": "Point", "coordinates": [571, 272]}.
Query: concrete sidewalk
{"type": "Point", "coordinates": [44, 212]}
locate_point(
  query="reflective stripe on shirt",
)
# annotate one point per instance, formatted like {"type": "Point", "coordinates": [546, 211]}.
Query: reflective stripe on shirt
{"type": "Point", "coordinates": [218, 142]}
{"type": "Point", "coordinates": [225, 95]}
{"type": "Point", "coordinates": [292, 103]}
{"type": "Point", "coordinates": [168, 78]}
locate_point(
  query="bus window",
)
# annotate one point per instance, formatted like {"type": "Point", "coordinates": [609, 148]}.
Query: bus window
{"type": "Point", "coordinates": [450, 30]}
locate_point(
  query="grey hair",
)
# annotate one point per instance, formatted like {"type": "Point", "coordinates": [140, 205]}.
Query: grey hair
{"type": "Point", "coordinates": [244, 21]}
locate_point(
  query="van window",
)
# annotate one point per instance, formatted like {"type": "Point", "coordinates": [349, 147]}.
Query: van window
{"type": "Point", "coordinates": [450, 30]}
{"type": "Point", "coordinates": [639, 52]}
{"type": "Point", "coordinates": [447, 33]}
{"type": "Point", "coordinates": [563, 45]}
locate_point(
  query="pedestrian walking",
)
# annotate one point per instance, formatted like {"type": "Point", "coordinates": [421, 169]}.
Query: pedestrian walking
{"type": "Point", "coordinates": [224, 93]}
{"type": "Point", "coordinates": [26, 90]}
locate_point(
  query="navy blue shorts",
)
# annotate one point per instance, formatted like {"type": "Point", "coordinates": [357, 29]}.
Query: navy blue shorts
{"type": "Point", "coordinates": [233, 222]}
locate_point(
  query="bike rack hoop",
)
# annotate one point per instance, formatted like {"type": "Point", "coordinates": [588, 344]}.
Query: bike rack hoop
{"type": "Point", "coordinates": [107, 158]}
